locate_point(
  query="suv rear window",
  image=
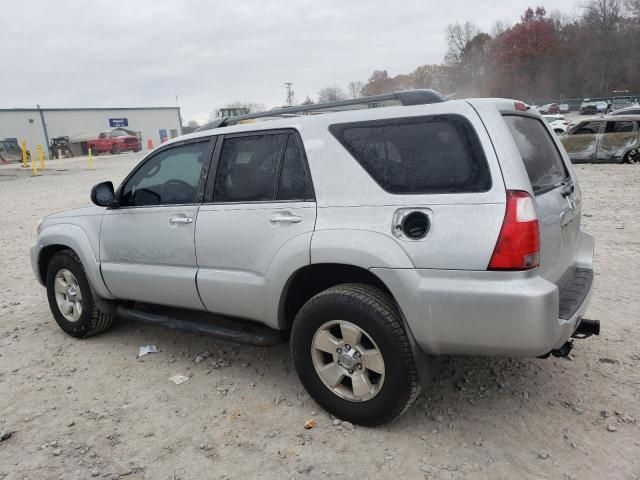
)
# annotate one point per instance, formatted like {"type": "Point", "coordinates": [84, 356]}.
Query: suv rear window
{"type": "Point", "coordinates": [418, 155]}
{"type": "Point", "coordinates": [540, 155]}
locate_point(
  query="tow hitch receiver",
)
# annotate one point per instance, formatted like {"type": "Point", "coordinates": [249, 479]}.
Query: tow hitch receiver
{"type": "Point", "coordinates": [586, 328]}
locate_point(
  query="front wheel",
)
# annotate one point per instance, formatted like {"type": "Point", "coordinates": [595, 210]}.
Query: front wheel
{"type": "Point", "coordinates": [115, 150]}
{"type": "Point", "coordinates": [353, 356]}
{"type": "Point", "coordinates": [70, 297]}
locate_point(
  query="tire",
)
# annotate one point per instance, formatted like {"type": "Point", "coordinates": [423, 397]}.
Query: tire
{"type": "Point", "coordinates": [336, 311]}
{"type": "Point", "coordinates": [632, 156]}
{"type": "Point", "coordinates": [94, 151]}
{"type": "Point", "coordinates": [115, 150]}
{"type": "Point", "coordinates": [90, 320]}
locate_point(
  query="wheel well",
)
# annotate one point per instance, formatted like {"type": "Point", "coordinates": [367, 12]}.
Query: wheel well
{"type": "Point", "coordinates": [313, 279]}
{"type": "Point", "coordinates": [46, 255]}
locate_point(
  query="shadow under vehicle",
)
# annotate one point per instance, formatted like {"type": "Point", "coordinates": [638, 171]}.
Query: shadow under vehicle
{"type": "Point", "coordinates": [604, 140]}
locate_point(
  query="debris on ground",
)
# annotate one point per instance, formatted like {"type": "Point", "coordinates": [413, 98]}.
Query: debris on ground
{"type": "Point", "coordinates": [147, 349]}
{"type": "Point", "coordinates": [178, 379]}
{"type": "Point", "coordinates": [309, 424]}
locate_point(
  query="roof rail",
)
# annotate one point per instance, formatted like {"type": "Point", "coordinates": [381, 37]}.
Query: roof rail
{"type": "Point", "coordinates": [405, 97]}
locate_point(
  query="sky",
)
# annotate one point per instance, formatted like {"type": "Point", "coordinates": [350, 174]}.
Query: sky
{"type": "Point", "coordinates": [69, 53]}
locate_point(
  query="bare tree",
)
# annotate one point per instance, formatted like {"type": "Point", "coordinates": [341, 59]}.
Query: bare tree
{"type": "Point", "coordinates": [193, 124]}
{"type": "Point", "coordinates": [458, 35]}
{"type": "Point", "coordinates": [633, 7]}
{"type": "Point", "coordinates": [356, 87]}
{"type": "Point", "coordinates": [307, 101]}
{"type": "Point", "coordinates": [331, 94]}
{"type": "Point", "coordinates": [602, 18]}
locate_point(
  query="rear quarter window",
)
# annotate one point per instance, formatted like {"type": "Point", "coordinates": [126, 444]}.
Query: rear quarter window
{"type": "Point", "coordinates": [418, 155]}
{"type": "Point", "coordinates": [541, 157]}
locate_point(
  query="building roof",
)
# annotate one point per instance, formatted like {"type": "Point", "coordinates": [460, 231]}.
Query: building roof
{"type": "Point", "coordinates": [74, 109]}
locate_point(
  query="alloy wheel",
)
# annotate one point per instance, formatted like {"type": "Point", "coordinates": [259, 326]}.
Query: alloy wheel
{"type": "Point", "coordinates": [68, 295]}
{"type": "Point", "coordinates": [348, 361]}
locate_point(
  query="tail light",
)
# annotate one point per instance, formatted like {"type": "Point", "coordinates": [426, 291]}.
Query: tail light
{"type": "Point", "coordinates": [518, 246]}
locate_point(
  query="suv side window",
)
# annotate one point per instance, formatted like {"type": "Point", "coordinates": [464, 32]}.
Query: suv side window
{"type": "Point", "coordinates": [295, 181]}
{"type": "Point", "coordinates": [588, 128]}
{"type": "Point", "coordinates": [248, 168]}
{"type": "Point", "coordinates": [170, 177]}
{"type": "Point", "coordinates": [620, 127]}
{"type": "Point", "coordinates": [418, 155]}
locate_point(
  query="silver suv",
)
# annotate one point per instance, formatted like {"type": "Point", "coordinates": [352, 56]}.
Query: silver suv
{"type": "Point", "coordinates": [374, 240]}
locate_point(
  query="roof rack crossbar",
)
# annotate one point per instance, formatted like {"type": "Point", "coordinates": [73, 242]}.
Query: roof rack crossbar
{"type": "Point", "coordinates": [405, 97]}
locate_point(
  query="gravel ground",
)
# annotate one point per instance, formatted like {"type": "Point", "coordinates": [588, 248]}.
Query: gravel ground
{"type": "Point", "coordinates": [90, 409]}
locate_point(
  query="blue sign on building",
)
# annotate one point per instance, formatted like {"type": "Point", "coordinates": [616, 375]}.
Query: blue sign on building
{"type": "Point", "coordinates": [118, 122]}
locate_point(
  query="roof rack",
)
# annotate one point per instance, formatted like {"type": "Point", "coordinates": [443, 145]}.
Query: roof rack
{"type": "Point", "coordinates": [405, 97]}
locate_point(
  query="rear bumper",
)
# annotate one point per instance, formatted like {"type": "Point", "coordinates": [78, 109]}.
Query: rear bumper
{"type": "Point", "coordinates": [490, 313]}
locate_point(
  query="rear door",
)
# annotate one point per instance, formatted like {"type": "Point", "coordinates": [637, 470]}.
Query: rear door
{"type": "Point", "coordinates": [581, 143]}
{"type": "Point", "coordinates": [556, 200]}
{"type": "Point", "coordinates": [618, 138]}
{"type": "Point", "coordinates": [257, 223]}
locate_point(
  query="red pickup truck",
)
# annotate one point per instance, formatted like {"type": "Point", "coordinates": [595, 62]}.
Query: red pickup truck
{"type": "Point", "coordinates": [115, 141]}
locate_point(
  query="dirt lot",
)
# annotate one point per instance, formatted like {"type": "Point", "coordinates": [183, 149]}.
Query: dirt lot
{"type": "Point", "coordinates": [91, 409]}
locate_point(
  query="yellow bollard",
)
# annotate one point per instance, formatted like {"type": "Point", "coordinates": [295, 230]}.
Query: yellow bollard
{"type": "Point", "coordinates": [90, 159]}
{"type": "Point", "coordinates": [40, 156]}
{"type": "Point", "coordinates": [24, 154]}
{"type": "Point", "coordinates": [34, 167]}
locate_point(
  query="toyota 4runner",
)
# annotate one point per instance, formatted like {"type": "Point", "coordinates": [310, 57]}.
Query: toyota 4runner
{"type": "Point", "coordinates": [373, 240]}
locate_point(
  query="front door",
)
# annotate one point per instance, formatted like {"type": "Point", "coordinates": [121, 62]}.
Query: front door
{"type": "Point", "coordinates": [255, 227]}
{"type": "Point", "coordinates": [147, 250]}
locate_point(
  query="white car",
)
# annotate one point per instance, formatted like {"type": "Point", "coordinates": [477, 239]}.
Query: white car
{"type": "Point", "coordinates": [558, 123]}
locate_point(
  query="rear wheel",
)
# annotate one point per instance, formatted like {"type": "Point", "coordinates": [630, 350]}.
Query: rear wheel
{"type": "Point", "coordinates": [70, 297]}
{"type": "Point", "coordinates": [353, 355]}
{"type": "Point", "coordinates": [632, 156]}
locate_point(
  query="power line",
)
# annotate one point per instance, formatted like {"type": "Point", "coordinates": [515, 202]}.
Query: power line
{"type": "Point", "coordinates": [289, 93]}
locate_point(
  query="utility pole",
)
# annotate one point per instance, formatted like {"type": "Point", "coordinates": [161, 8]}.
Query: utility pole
{"type": "Point", "coordinates": [290, 93]}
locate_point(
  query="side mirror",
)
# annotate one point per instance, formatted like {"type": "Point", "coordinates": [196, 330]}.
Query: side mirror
{"type": "Point", "coordinates": [103, 195]}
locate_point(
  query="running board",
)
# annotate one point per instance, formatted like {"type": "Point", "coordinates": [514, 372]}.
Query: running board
{"type": "Point", "coordinates": [236, 330]}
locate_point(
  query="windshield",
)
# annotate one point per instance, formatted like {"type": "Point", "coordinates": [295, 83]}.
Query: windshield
{"type": "Point", "coordinates": [621, 100]}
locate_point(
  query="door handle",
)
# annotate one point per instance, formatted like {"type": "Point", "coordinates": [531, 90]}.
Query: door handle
{"type": "Point", "coordinates": [180, 220]}
{"type": "Point", "coordinates": [285, 219]}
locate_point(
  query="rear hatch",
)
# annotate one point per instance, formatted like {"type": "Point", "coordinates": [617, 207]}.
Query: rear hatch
{"type": "Point", "coordinates": [555, 194]}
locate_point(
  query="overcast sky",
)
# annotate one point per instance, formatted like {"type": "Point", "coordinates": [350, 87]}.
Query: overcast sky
{"type": "Point", "coordinates": [66, 53]}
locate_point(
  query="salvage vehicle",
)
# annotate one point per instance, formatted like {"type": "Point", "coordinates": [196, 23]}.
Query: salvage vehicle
{"type": "Point", "coordinates": [10, 151]}
{"type": "Point", "coordinates": [115, 141]}
{"type": "Point", "coordinates": [374, 240]}
{"type": "Point", "coordinates": [549, 109]}
{"type": "Point", "coordinates": [610, 139]}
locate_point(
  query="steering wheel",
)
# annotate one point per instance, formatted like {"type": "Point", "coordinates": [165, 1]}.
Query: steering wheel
{"type": "Point", "coordinates": [177, 191]}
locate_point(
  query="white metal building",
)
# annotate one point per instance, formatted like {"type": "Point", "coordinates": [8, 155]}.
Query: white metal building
{"type": "Point", "coordinates": [39, 126]}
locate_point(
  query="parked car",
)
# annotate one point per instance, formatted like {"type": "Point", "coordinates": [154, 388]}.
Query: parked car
{"type": "Point", "coordinates": [633, 110]}
{"type": "Point", "coordinates": [604, 140]}
{"type": "Point", "coordinates": [618, 103]}
{"type": "Point", "coordinates": [372, 239]}
{"type": "Point", "coordinates": [558, 123]}
{"type": "Point", "coordinates": [115, 141]}
{"type": "Point", "coordinates": [549, 108]}
{"type": "Point", "coordinates": [589, 108]}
